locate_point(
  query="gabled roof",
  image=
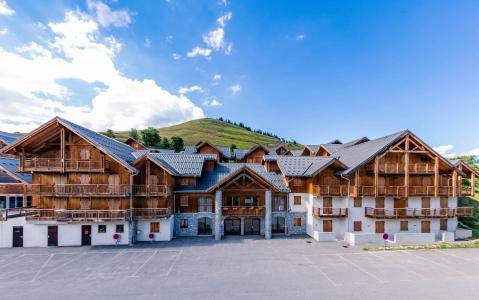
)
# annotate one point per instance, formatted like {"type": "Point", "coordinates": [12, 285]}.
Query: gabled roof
{"type": "Point", "coordinates": [312, 148]}
{"type": "Point", "coordinates": [8, 138]}
{"type": "Point", "coordinates": [9, 166]}
{"type": "Point", "coordinates": [275, 149]}
{"type": "Point", "coordinates": [182, 165]}
{"type": "Point", "coordinates": [302, 166]}
{"type": "Point", "coordinates": [241, 153]}
{"type": "Point", "coordinates": [296, 152]}
{"type": "Point", "coordinates": [119, 151]}
{"type": "Point", "coordinates": [461, 165]}
{"type": "Point", "coordinates": [224, 171]}
{"type": "Point", "coordinates": [225, 151]}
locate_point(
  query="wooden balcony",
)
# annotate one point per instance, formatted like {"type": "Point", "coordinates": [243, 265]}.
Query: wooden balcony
{"type": "Point", "coordinates": [244, 211]}
{"type": "Point", "coordinates": [8, 213]}
{"type": "Point", "coordinates": [81, 190]}
{"type": "Point", "coordinates": [152, 190]}
{"type": "Point", "coordinates": [55, 165]}
{"type": "Point", "coordinates": [417, 213]}
{"type": "Point", "coordinates": [330, 190]}
{"type": "Point", "coordinates": [72, 216]}
{"type": "Point", "coordinates": [330, 212]}
{"type": "Point", "coordinates": [400, 191]}
{"type": "Point", "coordinates": [400, 168]}
{"type": "Point", "coordinates": [150, 213]}
{"type": "Point", "coordinates": [12, 189]}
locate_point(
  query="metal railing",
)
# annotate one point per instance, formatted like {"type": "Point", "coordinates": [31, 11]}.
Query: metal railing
{"type": "Point", "coordinates": [330, 212]}
{"type": "Point", "coordinates": [405, 213]}
{"type": "Point", "coordinates": [243, 210]}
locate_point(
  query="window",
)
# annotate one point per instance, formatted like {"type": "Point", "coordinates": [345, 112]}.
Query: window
{"type": "Point", "coordinates": [101, 228]}
{"type": "Point", "coordinates": [11, 202]}
{"type": "Point", "coordinates": [29, 201]}
{"type": "Point", "coordinates": [19, 201]}
{"type": "Point", "coordinates": [3, 202]}
{"type": "Point", "coordinates": [119, 228]}
{"type": "Point", "coordinates": [297, 200]}
{"type": "Point", "coordinates": [205, 204]}
{"type": "Point", "coordinates": [184, 223]}
{"type": "Point", "coordinates": [327, 225]}
{"type": "Point", "coordinates": [184, 201]}
{"type": "Point", "coordinates": [358, 202]}
{"type": "Point", "coordinates": [251, 201]}
{"type": "Point", "coordinates": [380, 227]}
{"type": "Point", "coordinates": [155, 227]}
{"type": "Point", "coordinates": [279, 203]}
{"type": "Point", "coordinates": [358, 226]}
{"type": "Point", "coordinates": [232, 201]}
{"type": "Point", "coordinates": [404, 225]}
{"type": "Point", "coordinates": [297, 222]}
{"type": "Point", "coordinates": [443, 224]}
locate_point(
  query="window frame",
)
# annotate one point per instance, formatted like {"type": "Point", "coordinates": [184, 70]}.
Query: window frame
{"type": "Point", "coordinates": [122, 226]}
{"type": "Point", "coordinates": [297, 224]}
{"type": "Point", "coordinates": [184, 224]}
{"type": "Point", "coordinates": [330, 226]}
{"type": "Point", "coordinates": [358, 202]}
{"type": "Point", "coordinates": [295, 198]}
{"type": "Point", "coordinates": [401, 227]}
{"type": "Point", "coordinates": [101, 228]}
{"type": "Point", "coordinates": [358, 226]}
{"type": "Point", "coordinates": [154, 227]}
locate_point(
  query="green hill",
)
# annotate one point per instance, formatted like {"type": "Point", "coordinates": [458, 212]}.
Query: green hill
{"type": "Point", "coordinates": [217, 132]}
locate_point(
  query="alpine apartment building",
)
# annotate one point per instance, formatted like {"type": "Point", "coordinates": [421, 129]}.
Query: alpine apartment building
{"type": "Point", "coordinates": [83, 188]}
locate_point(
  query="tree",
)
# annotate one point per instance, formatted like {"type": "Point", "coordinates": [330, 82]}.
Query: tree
{"type": "Point", "coordinates": [150, 137]}
{"type": "Point", "coordinates": [232, 148]}
{"type": "Point", "coordinates": [134, 134]}
{"type": "Point", "coordinates": [177, 143]}
{"type": "Point", "coordinates": [165, 144]}
{"type": "Point", "coordinates": [110, 133]}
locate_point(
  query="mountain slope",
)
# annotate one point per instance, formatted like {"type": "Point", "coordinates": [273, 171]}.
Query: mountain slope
{"type": "Point", "coordinates": [217, 132]}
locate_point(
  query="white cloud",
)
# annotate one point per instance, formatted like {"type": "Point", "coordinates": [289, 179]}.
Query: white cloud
{"type": "Point", "coordinates": [169, 38]}
{"type": "Point", "coordinates": [194, 88]}
{"type": "Point", "coordinates": [176, 56]}
{"type": "Point", "coordinates": [5, 9]}
{"type": "Point", "coordinates": [147, 42]}
{"type": "Point", "coordinates": [212, 102]}
{"type": "Point", "coordinates": [31, 92]}
{"type": "Point", "coordinates": [199, 51]}
{"type": "Point", "coordinates": [300, 37]}
{"type": "Point", "coordinates": [222, 20]}
{"type": "Point", "coordinates": [106, 16]}
{"type": "Point", "coordinates": [235, 89]}
{"type": "Point", "coordinates": [216, 77]}
{"type": "Point", "coordinates": [215, 39]}
{"type": "Point", "coordinates": [223, 2]}
{"type": "Point", "coordinates": [3, 31]}
{"type": "Point", "coordinates": [445, 150]}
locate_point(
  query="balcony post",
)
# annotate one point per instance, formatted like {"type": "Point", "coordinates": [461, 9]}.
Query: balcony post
{"type": "Point", "coordinates": [268, 214]}
{"type": "Point", "coordinates": [473, 184]}
{"type": "Point", "coordinates": [218, 214]}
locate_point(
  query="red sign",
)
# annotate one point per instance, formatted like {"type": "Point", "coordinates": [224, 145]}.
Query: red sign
{"type": "Point", "coordinates": [385, 236]}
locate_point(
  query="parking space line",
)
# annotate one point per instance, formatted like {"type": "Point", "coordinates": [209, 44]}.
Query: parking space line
{"type": "Point", "coordinates": [42, 267]}
{"type": "Point", "coordinates": [435, 263]}
{"type": "Point", "coordinates": [404, 268]}
{"type": "Point", "coordinates": [445, 252]}
{"type": "Point", "coordinates": [103, 263]}
{"type": "Point", "coordinates": [174, 262]}
{"type": "Point", "coordinates": [143, 264]}
{"type": "Point", "coordinates": [12, 262]}
{"type": "Point", "coordinates": [64, 264]}
{"type": "Point", "coordinates": [361, 269]}
{"type": "Point", "coordinates": [321, 271]}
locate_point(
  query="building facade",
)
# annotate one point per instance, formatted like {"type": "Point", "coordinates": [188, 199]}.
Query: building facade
{"type": "Point", "coordinates": [88, 189]}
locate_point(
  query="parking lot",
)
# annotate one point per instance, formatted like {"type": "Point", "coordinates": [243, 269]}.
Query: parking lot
{"type": "Point", "coordinates": [237, 268]}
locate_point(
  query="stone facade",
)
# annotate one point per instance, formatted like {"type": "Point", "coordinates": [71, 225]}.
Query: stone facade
{"type": "Point", "coordinates": [291, 229]}
{"type": "Point", "coordinates": [192, 218]}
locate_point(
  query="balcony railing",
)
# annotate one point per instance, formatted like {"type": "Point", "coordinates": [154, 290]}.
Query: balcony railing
{"type": "Point", "coordinates": [400, 168]}
{"type": "Point", "coordinates": [62, 215]}
{"type": "Point", "coordinates": [8, 213]}
{"type": "Point", "coordinates": [152, 190]}
{"type": "Point", "coordinates": [330, 190]}
{"type": "Point", "coordinates": [330, 212]}
{"type": "Point", "coordinates": [81, 190]}
{"type": "Point", "coordinates": [400, 191]}
{"type": "Point", "coordinates": [150, 213]}
{"type": "Point", "coordinates": [55, 165]}
{"type": "Point", "coordinates": [243, 211]}
{"type": "Point", "coordinates": [11, 188]}
{"type": "Point", "coordinates": [407, 213]}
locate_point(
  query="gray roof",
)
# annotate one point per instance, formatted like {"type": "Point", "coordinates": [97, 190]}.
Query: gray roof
{"type": "Point", "coordinates": [313, 148]}
{"type": "Point", "coordinates": [118, 150]}
{"type": "Point", "coordinates": [360, 154]}
{"type": "Point", "coordinates": [300, 166]}
{"type": "Point", "coordinates": [224, 170]}
{"type": "Point", "coordinates": [191, 149]}
{"type": "Point", "coordinates": [10, 165]}
{"type": "Point", "coordinates": [8, 138]}
{"type": "Point", "coordinates": [183, 165]}
{"type": "Point", "coordinates": [240, 153]}
{"type": "Point", "coordinates": [296, 152]}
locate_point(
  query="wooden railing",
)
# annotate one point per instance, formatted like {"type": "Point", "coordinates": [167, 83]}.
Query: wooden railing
{"type": "Point", "coordinates": [465, 191]}
{"type": "Point", "coordinates": [400, 168]}
{"type": "Point", "coordinates": [243, 210]}
{"type": "Point", "coordinates": [150, 213]}
{"type": "Point", "coordinates": [400, 191]}
{"type": "Point", "coordinates": [330, 212]}
{"type": "Point", "coordinates": [330, 190]}
{"type": "Point", "coordinates": [152, 190]}
{"type": "Point", "coordinates": [64, 215]}
{"type": "Point", "coordinates": [407, 213]}
{"type": "Point", "coordinates": [12, 188]}
{"type": "Point", "coordinates": [8, 213]}
{"type": "Point", "coordinates": [81, 190]}
{"type": "Point", "coordinates": [55, 164]}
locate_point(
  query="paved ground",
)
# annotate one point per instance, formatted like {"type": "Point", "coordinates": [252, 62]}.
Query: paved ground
{"type": "Point", "coordinates": [237, 268]}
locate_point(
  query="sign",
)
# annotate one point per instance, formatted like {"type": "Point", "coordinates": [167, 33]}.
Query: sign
{"type": "Point", "coordinates": [385, 236]}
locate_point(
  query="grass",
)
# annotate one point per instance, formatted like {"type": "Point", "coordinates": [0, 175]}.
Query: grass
{"type": "Point", "coordinates": [217, 132]}
{"type": "Point", "coordinates": [470, 222]}
{"type": "Point", "coordinates": [458, 245]}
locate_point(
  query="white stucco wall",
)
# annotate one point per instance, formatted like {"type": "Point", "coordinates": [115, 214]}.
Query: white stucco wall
{"type": "Point", "coordinates": [107, 238]}
{"type": "Point", "coordinates": [407, 238]}
{"type": "Point", "coordinates": [165, 234]}
{"type": "Point", "coordinates": [69, 235]}
{"type": "Point", "coordinates": [306, 199]}
{"type": "Point", "coordinates": [33, 235]}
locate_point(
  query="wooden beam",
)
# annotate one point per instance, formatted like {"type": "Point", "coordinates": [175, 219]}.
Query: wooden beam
{"type": "Point", "coordinates": [62, 148]}
{"type": "Point", "coordinates": [454, 183]}
{"type": "Point", "coordinates": [473, 184]}
{"type": "Point", "coordinates": [406, 168]}
{"type": "Point", "coordinates": [148, 170]}
{"type": "Point", "coordinates": [436, 176]}
{"type": "Point", "coordinates": [376, 176]}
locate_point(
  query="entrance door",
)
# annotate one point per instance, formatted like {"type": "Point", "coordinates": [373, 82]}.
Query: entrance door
{"type": "Point", "coordinates": [252, 226]}
{"type": "Point", "coordinates": [204, 226]}
{"type": "Point", "coordinates": [232, 226]}
{"type": "Point", "coordinates": [277, 225]}
{"type": "Point", "coordinates": [425, 226]}
{"type": "Point", "coordinates": [18, 236]}
{"type": "Point", "coordinates": [52, 235]}
{"type": "Point", "coordinates": [86, 235]}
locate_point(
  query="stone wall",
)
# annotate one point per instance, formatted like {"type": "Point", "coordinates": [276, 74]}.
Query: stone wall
{"type": "Point", "coordinates": [192, 218]}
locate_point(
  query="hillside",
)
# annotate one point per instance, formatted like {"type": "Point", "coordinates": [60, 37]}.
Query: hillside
{"type": "Point", "coordinates": [217, 132]}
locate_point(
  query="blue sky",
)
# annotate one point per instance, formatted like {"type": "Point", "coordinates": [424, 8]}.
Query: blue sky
{"type": "Point", "coordinates": [310, 70]}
